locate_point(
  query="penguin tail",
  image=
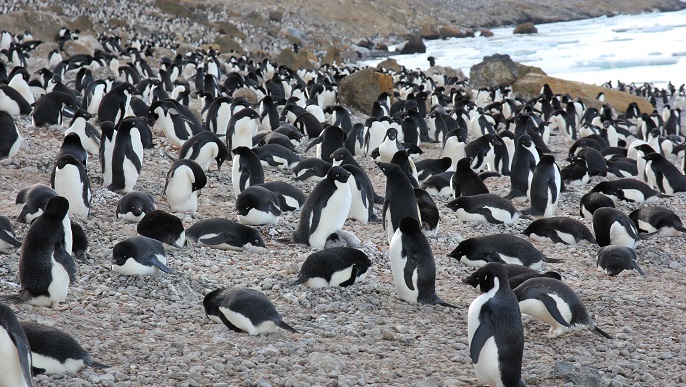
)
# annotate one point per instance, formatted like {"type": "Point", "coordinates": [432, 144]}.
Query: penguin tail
{"type": "Point", "coordinates": [680, 227]}
{"type": "Point", "coordinates": [81, 255]}
{"type": "Point", "coordinates": [552, 260]}
{"type": "Point", "coordinates": [298, 281]}
{"type": "Point", "coordinates": [638, 268]}
{"type": "Point", "coordinates": [18, 298]}
{"type": "Point", "coordinates": [172, 158]}
{"type": "Point", "coordinates": [282, 324]}
{"type": "Point", "coordinates": [662, 196]}
{"type": "Point", "coordinates": [599, 332]}
{"type": "Point", "coordinates": [378, 199]}
{"type": "Point", "coordinates": [92, 363]}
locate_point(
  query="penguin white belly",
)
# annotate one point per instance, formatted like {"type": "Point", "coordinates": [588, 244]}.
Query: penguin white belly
{"type": "Point", "coordinates": [180, 241]}
{"type": "Point", "coordinates": [10, 367]}
{"type": "Point", "coordinates": [313, 178]}
{"type": "Point", "coordinates": [540, 238]}
{"type": "Point", "coordinates": [133, 267]}
{"type": "Point", "coordinates": [107, 170]}
{"type": "Point", "coordinates": [256, 217]}
{"type": "Point", "coordinates": [223, 118]}
{"type": "Point", "coordinates": [94, 104]}
{"type": "Point", "coordinates": [242, 135]}
{"type": "Point", "coordinates": [15, 147]}
{"type": "Point", "coordinates": [207, 153]}
{"type": "Point", "coordinates": [332, 216]}
{"type": "Point", "coordinates": [487, 369]}
{"type": "Point", "coordinates": [68, 184]}
{"type": "Point", "coordinates": [389, 225]}
{"type": "Point", "coordinates": [398, 263]}
{"type": "Point", "coordinates": [54, 366]}
{"type": "Point", "coordinates": [469, 217]}
{"type": "Point", "coordinates": [68, 239]}
{"type": "Point", "coordinates": [244, 323]}
{"type": "Point", "coordinates": [386, 151]}
{"type": "Point", "coordinates": [317, 282]}
{"type": "Point", "coordinates": [292, 202]}
{"type": "Point", "coordinates": [9, 105]}
{"type": "Point", "coordinates": [165, 124]}
{"type": "Point", "coordinates": [180, 197]}
{"type": "Point", "coordinates": [236, 175]}
{"type": "Point", "coordinates": [357, 209]}
{"type": "Point", "coordinates": [130, 217]}
{"type": "Point", "coordinates": [539, 311]}
{"type": "Point", "coordinates": [58, 288]}
{"type": "Point", "coordinates": [619, 236]}
{"type": "Point", "coordinates": [130, 175]}
{"type": "Point", "coordinates": [567, 238]}
{"type": "Point", "coordinates": [341, 276]}
{"type": "Point", "coordinates": [375, 140]}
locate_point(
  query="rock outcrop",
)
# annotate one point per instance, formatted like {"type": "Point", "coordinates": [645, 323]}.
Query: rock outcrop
{"type": "Point", "coordinates": [361, 88]}
{"type": "Point", "coordinates": [494, 70]}
{"type": "Point", "coordinates": [525, 28]}
{"type": "Point", "coordinates": [415, 45]}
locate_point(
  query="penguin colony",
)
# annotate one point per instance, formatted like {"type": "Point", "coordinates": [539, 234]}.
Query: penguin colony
{"type": "Point", "coordinates": [294, 139]}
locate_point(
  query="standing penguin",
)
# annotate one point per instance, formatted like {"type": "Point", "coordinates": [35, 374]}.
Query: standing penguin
{"type": "Point", "coordinates": [15, 351]}
{"type": "Point", "coordinates": [551, 301]}
{"type": "Point", "coordinates": [325, 209]}
{"type": "Point", "coordinates": [127, 156]}
{"type": "Point", "coordinates": [90, 137]}
{"type": "Point", "coordinates": [362, 195]}
{"type": "Point", "coordinates": [45, 266]}
{"type": "Point", "coordinates": [523, 164]}
{"type": "Point", "coordinates": [389, 146]}
{"type": "Point", "coordinates": [139, 255]}
{"type": "Point", "coordinates": [331, 138]}
{"type": "Point", "coordinates": [11, 139]}
{"type": "Point", "coordinates": [545, 188]}
{"type": "Point", "coordinates": [495, 331]}
{"type": "Point", "coordinates": [244, 310]}
{"type": "Point", "coordinates": [184, 179]}
{"type": "Point", "coordinates": [613, 227]}
{"type": "Point", "coordinates": [399, 201]}
{"type": "Point", "coordinates": [246, 169]}
{"type": "Point", "coordinates": [242, 126]}
{"type": "Point", "coordinates": [413, 264]}
{"type": "Point", "coordinates": [115, 103]}
{"type": "Point", "coordinates": [664, 175]}
{"type": "Point", "coordinates": [54, 351]}
{"type": "Point", "coordinates": [466, 182]}
{"type": "Point", "coordinates": [69, 179]}
{"type": "Point", "coordinates": [202, 148]}
{"type": "Point", "coordinates": [336, 266]}
{"type": "Point", "coordinates": [7, 237]}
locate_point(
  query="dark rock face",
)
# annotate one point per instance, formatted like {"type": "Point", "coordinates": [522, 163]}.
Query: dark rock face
{"type": "Point", "coordinates": [415, 45]}
{"type": "Point", "coordinates": [361, 88]}
{"type": "Point", "coordinates": [525, 28]}
{"type": "Point", "coordinates": [494, 70]}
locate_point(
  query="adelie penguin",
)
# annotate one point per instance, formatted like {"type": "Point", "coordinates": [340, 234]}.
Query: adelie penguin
{"type": "Point", "coordinates": [290, 197]}
{"type": "Point", "coordinates": [503, 248]}
{"type": "Point", "coordinates": [246, 169]}
{"type": "Point", "coordinates": [164, 227]}
{"type": "Point", "coordinates": [516, 274]}
{"type": "Point", "coordinates": [400, 200]}
{"type": "Point", "coordinates": [336, 266]}
{"type": "Point", "coordinates": [244, 310]}
{"type": "Point", "coordinates": [257, 206]}
{"type": "Point", "coordinates": [657, 220]}
{"type": "Point", "coordinates": [56, 352]}
{"type": "Point", "coordinates": [466, 182]}
{"type": "Point", "coordinates": [11, 139]}
{"type": "Point", "coordinates": [313, 169]}
{"type": "Point", "coordinates": [413, 265]}
{"type": "Point", "coordinates": [127, 156]}
{"type": "Point", "coordinates": [139, 255]}
{"type": "Point", "coordinates": [224, 234]}
{"type": "Point", "coordinates": [331, 138]}
{"type": "Point", "coordinates": [133, 206]}
{"type": "Point", "coordinates": [524, 161]}
{"type": "Point", "coordinates": [116, 102]}
{"type": "Point", "coordinates": [556, 304]}
{"type": "Point", "coordinates": [559, 230]}
{"type": "Point", "coordinates": [12, 102]}
{"type": "Point", "coordinates": [7, 237]}
{"type": "Point", "coordinates": [544, 192]}
{"type": "Point", "coordinates": [48, 110]}
{"type": "Point", "coordinates": [495, 331]}
{"type": "Point", "coordinates": [325, 209]}
{"type": "Point", "coordinates": [486, 207]}
{"type": "Point", "coordinates": [185, 179]}
{"type": "Point", "coordinates": [15, 351]}
{"type": "Point", "coordinates": [627, 189]}
{"type": "Point", "coordinates": [69, 179]}
{"type": "Point", "coordinates": [613, 227]}
{"type": "Point", "coordinates": [31, 201]}
{"type": "Point", "coordinates": [202, 148]}
{"type": "Point", "coordinates": [46, 267]}
{"type": "Point", "coordinates": [591, 201]}
{"type": "Point", "coordinates": [90, 137]}
{"type": "Point", "coordinates": [612, 260]}
{"type": "Point", "coordinates": [664, 175]}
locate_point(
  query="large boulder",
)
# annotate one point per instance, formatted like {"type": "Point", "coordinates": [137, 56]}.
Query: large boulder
{"type": "Point", "coordinates": [485, 32]}
{"type": "Point", "coordinates": [388, 64]}
{"type": "Point", "coordinates": [361, 88]}
{"type": "Point", "coordinates": [86, 44]}
{"type": "Point", "coordinates": [82, 23]}
{"type": "Point", "coordinates": [530, 85]}
{"type": "Point", "coordinates": [177, 8]}
{"type": "Point", "coordinates": [415, 45]}
{"type": "Point", "coordinates": [494, 70]}
{"type": "Point", "coordinates": [333, 55]}
{"type": "Point", "coordinates": [455, 32]}
{"type": "Point", "coordinates": [227, 44]}
{"type": "Point", "coordinates": [43, 25]}
{"type": "Point", "coordinates": [293, 61]}
{"type": "Point", "coordinates": [230, 29]}
{"type": "Point", "coordinates": [447, 71]}
{"type": "Point", "coordinates": [429, 32]}
{"type": "Point", "coordinates": [525, 28]}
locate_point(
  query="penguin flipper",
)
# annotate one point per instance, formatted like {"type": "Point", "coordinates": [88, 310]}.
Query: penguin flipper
{"type": "Point", "coordinates": [551, 306]}
{"type": "Point", "coordinates": [306, 175]}
{"type": "Point", "coordinates": [410, 269]}
{"type": "Point", "coordinates": [223, 237]}
{"type": "Point", "coordinates": [154, 261]}
{"type": "Point", "coordinates": [6, 237]}
{"type": "Point", "coordinates": [486, 213]}
{"type": "Point", "coordinates": [638, 268]}
{"type": "Point", "coordinates": [378, 199]}
{"type": "Point", "coordinates": [484, 331]}
{"type": "Point", "coordinates": [351, 280]}
{"type": "Point", "coordinates": [24, 355]}
{"type": "Point", "coordinates": [298, 281]}
{"type": "Point", "coordinates": [313, 143]}
{"type": "Point", "coordinates": [599, 332]}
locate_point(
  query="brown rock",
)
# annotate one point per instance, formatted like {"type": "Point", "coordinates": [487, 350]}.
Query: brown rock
{"type": "Point", "coordinates": [43, 25]}
{"type": "Point", "coordinates": [333, 55]}
{"type": "Point", "coordinates": [447, 71]}
{"type": "Point", "coordinates": [230, 29]}
{"type": "Point", "coordinates": [429, 32]}
{"type": "Point", "coordinates": [210, 46]}
{"type": "Point", "coordinates": [116, 22]}
{"type": "Point", "coordinates": [530, 85]}
{"type": "Point", "coordinates": [525, 28]}
{"type": "Point", "coordinates": [82, 23]}
{"type": "Point", "coordinates": [388, 64]}
{"type": "Point", "coordinates": [227, 44]}
{"type": "Point", "coordinates": [43, 50]}
{"type": "Point", "coordinates": [256, 19]}
{"type": "Point", "coordinates": [293, 61]}
{"type": "Point", "coordinates": [174, 7]}
{"type": "Point", "coordinates": [247, 93]}
{"type": "Point", "coordinates": [414, 45]}
{"type": "Point", "coordinates": [485, 32]}
{"type": "Point", "coordinates": [275, 15]}
{"type": "Point", "coordinates": [494, 70]}
{"type": "Point", "coordinates": [454, 32]}
{"type": "Point", "coordinates": [522, 70]}
{"type": "Point", "coordinates": [361, 88]}
{"type": "Point", "coordinates": [185, 48]}
{"type": "Point", "coordinates": [366, 43]}
{"type": "Point", "coordinates": [87, 44]}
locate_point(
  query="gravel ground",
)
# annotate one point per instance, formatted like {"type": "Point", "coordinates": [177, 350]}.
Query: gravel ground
{"type": "Point", "coordinates": [153, 330]}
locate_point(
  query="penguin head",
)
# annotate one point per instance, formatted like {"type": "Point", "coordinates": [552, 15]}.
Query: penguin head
{"type": "Point", "coordinates": [340, 154]}
{"type": "Point", "coordinates": [162, 226]}
{"type": "Point", "coordinates": [525, 141]}
{"type": "Point", "coordinates": [492, 276]}
{"type": "Point", "coordinates": [653, 156]}
{"type": "Point", "coordinates": [392, 134]}
{"type": "Point", "coordinates": [67, 159]}
{"type": "Point", "coordinates": [56, 208]}
{"type": "Point", "coordinates": [464, 164]}
{"type": "Point", "coordinates": [338, 173]}
{"type": "Point", "coordinates": [389, 169]}
{"type": "Point", "coordinates": [410, 225]}
{"type": "Point", "coordinates": [254, 238]}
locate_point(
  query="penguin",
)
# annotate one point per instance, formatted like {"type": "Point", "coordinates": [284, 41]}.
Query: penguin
{"type": "Point", "coordinates": [516, 274]}
{"type": "Point", "coordinates": [325, 209]}
{"type": "Point", "coordinates": [575, 173]}
{"type": "Point", "coordinates": [202, 148]}
{"type": "Point", "coordinates": [257, 206]}
{"type": "Point", "coordinates": [105, 153]}
{"type": "Point", "coordinates": [495, 331]}
{"type": "Point", "coordinates": [438, 185]}
{"type": "Point", "coordinates": [46, 267]}
{"type": "Point", "coordinates": [11, 138]}
{"type": "Point", "coordinates": [355, 142]}
{"type": "Point", "coordinates": [428, 212]}
{"type": "Point", "coordinates": [553, 302]}
{"type": "Point", "coordinates": [290, 197]}
{"type": "Point", "coordinates": [139, 255]}
{"type": "Point", "coordinates": [168, 118]}
{"type": "Point", "coordinates": [612, 260]}
{"type": "Point", "coordinates": [591, 202]}
{"type": "Point", "coordinates": [31, 201]}
{"type": "Point", "coordinates": [621, 169]}
{"type": "Point", "coordinates": [246, 169]}
{"type": "Point", "coordinates": [18, 80]}
{"type": "Point", "coordinates": [341, 117]}
{"type": "Point", "coordinates": [389, 146]}
{"type": "Point", "coordinates": [399, 201]}
{"type": "Point", "coordinates": [244, 310]}
{"type": "Point", "coordinates": [481, 151]}
{"type": "Point", "coordinates": [276, 155]}
{"type": "Point", "coordinates": [413, 265]}
{"type": "Point", "coordinates": [48, 110]}
{"type": "Point", "coordinates": [466, 182]}
{"type": "Point", "coordinates": [374, 135]}
{"type": "Point", "coordinates": [268, 113]}
{"type": "Point", "coordinates": [12, 102]}
{"type": "Point", "coordinates": [185, 179]}
{"type": "Point", "coordinates": [627, 189]}
{"type": "Point", "coordinates": [224, 234]}
{"type": "Point", "coordinates": [336, 266]}
{"type": "Point", "coordinates": [429, 167]}
{"type": "Point", "coordinates": [242, 126]}
{"type": "Point", "coordinates": [330, 139]}
{"type": "Point", "coordinates": [7, 237]}
{"type": "Point", "coordinates": [15, 351]}
{"type": "Point", "coordinates": [613, 227]}
{"type": "Point", "coordinates": [664, 175]}
{"type": "Point", "coordinates": [402, 158]}
{"type": "Point", "coordinates": [92, 96]}
{"type": "Point", "coordinates": [545, 188]}
{"type": "Point", "coordinates": [487, 207]}
{"type": "Point", "coordinates": [127, 156]}
{"type": "Point", "coordinates": [454, 147]}
{"type": "Point", "coordinates": [69, 179]}
{"type": "Point", "coordinates": [80, 245]}
{"type": "Point", "coordinates": [134, 205]}
{"type": "Point", "coordinates": [595, 162]}
{"type": "Point", "coordinates": [559, 229]}
{"type": "Point", "coordinates": [71, 145]}
{"type": "Point", "coordinates": [291, 132]}
{"type": "Point", "coordinates": [164, 227]}
{"type": "Point", "coordinates": [313, 169]}
{"type": "Point", "coordinates": [115, 103]}
{"type": "Point", "coordinates": [504, 248]}
{"type": "Point", "coordinates": [308, 123]}
{"type": "Point", "coordinates": [89, 136]}
{"type": "Point", "coordinates": [655, 219]}
{"type": "Point", "coordinates": [56, 352]}
{"type": "Point", "coordinates": [524, 161]}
